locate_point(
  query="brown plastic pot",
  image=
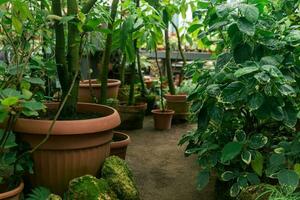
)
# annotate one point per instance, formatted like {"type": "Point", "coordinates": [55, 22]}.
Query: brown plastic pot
{"type": "Point", "coordinates": [132, 117]}
{"type": "Point", "coordinates": [85, 94]}
{"type": "Point", "coordinates": [75, 147]}
{"type": "Point", "coordinates": [179, 104]}
{"type": "Point", "coordinates": [118, 146]}
{"type": "Point", "coordinates": [162, 119]}
{"type": "Point", "coordinates": [13, 194]}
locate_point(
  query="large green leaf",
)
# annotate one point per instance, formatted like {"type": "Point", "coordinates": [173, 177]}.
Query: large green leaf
{"type": "Point", "coordinates": [256, 100]}
{"type": "Point", "coordinates": [250, 12]}
{"type": "Point", "coordinates": [230, 151]}
{"type": "Point", "coordinates": [257, 163]}
{"type": "Point", "coordinates": [258, 141]}
{"type": "Point", "coordinates": [245, 26]}
{"type": "Point", "coordinates": [227, 176]}
{"type": "Point", "coordinates": [202, 179]}
{"type": "Point", "coordinates": [288, 177]}
{"type": "Point", "coordinates": [231, 93]}
{"type": "Point", "coordinates": [10, 101]}
{"type": "Point", "coordinates": [245, 70]}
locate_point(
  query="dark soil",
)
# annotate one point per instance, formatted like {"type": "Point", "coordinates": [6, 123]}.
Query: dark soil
{"type": "Point", "coordinates": [161, 170]}
{"type": "Point", "coordinates": [49, 115]}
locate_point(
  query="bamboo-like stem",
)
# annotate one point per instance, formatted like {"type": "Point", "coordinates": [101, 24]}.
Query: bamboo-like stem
{"type": "Point", "coordinates": [179, 43]}
{"type": "Point", "coordinates": [143, 87]}
{"type": "Point", "coordinates": [168, 61]}
{"type": "Point", "coordinates": [161, 82]}
{"type": "Point", "coordinates": [60, 52]}
{"type": "Point", "coordinates": [107, 53]}
{"type": "Point", "coordinates": [122, 70]}
{"type": "Point", "coordinates": [132, 80]}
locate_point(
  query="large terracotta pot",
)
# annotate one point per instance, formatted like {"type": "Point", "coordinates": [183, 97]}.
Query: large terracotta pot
{"type": "Point", "coordinates": [118, 146]}
{"type": "Point", "coordinates": [75, 147]}
{"type": "Point", "coordinates": [162, 119]}
{"type": "Point", "coordinates": [132, 117]}
{"type": "Point", "coordinates": [14, 194]}
{"type": "Point", "coordinates": [179, 104]}
{"type": "Point", "coordinates": [86, 93]}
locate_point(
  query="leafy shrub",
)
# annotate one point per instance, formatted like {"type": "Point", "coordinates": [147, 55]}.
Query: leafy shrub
{"type": "Point", "coordinates": [248, 103]}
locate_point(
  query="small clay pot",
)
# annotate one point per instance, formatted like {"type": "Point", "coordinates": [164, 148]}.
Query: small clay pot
{"type": "Point", "coordinates": [13, 194]}
{"type": "Point", "coordinates": [162, 119]}
{"type": "Point", "coordinates": [85, 93]}
{"type": "Point", "coordinates": [179, 104]}
{"type": "Point", "coordinates": [132, 117]}
{"type": "Point", "coordinates": [119, 144]}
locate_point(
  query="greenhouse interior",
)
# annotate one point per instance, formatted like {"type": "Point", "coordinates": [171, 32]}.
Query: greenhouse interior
{"type": "Point", "coordinates": [149, 99]}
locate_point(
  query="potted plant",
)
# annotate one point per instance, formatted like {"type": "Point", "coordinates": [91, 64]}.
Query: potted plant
{"type": "Point", "coordinates": [248, 103]}
{"type": "Point", "coordinates": [119, 144]}
{"type": "Point", "coordinates": [162, 117]}
{"type": "Point", "coordinates": [80, 132]}
{"type": "Point", "coordinates": [21, 89]}
{"type": "Point", "coordinates": [132, 113]}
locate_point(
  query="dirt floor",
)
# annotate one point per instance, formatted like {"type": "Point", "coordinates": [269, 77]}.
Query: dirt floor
{"type": "Point", "coordinates": [159, 166]}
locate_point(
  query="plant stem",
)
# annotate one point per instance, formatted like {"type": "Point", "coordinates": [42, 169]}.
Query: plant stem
{"type": "Point", "coordinates": [180, 50]}
{"type": "Point", "coordinates": [132, 80]}
{"type": "Point", "coordinates": [107, 53]}
{"type": "Point", "coordinates": [122, 69]}
{"type": "Point", "coordinates": [60, 53]}
{"type": "Point", "coordinates": [143, 87]}
{"type": "Point", "coordinates": [168, 61]}
{"type": "Point", "coordinates": [161, 82]}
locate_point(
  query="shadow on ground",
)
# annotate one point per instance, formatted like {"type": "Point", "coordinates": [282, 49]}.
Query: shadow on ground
{"type": "Point", "coordinates": [159, 166]}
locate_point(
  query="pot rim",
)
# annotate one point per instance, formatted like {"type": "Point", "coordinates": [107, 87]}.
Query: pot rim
{"type": "Point", "coordinates": [136, 105]}
{"type": "Point", "coordinates": [13, 192]}
{"type": "Point", "coordinates": [160, 112]}
{"type": "Point", "coordinates": [176, 97]}
{"type": "Point", "coordinates": [110, 83]}
{"type": "Point", "coordinates": [122, 143]}
{"type": "Point", "coordinates": [66, 127]}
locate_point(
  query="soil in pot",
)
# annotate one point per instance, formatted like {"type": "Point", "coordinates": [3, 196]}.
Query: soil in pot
{"type": "Point", "coordinates": [132, 117]}
{"type": "Point", "coordinates": [162, 119]}
{"type": "Point", "coordinates": [14, 194]}
{"type": "Point", "coordinates": [180, 105]}
{"type": "Point", "coordinates": [75, 147]}
{"type": "Point", "coordinates": [118, 146]}
{"type": "Point", "coordinates": [88, 94]}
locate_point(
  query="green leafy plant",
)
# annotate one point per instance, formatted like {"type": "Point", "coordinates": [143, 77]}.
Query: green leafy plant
{"type": "Point", "coordinates": [247, 103]}
{"type": "Point", "coordinates": [20, 84]}
{"type": "Point", "coordinates": [39, 193]}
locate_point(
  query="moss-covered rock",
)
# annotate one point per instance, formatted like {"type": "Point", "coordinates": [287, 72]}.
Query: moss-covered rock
{"type": "Point", "coordinates": [118, 175]}
{"type": "Point", "coordinates": [254, 192]}
{"type": "Point", "coordinates": [91, 188]}
{"type": "Point", "coordinates": [54, 197]}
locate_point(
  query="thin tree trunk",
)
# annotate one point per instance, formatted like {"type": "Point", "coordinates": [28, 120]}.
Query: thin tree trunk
{"type": "Point", "coordinates": [161, 82]}
{"type": "Point", "coordinates": [143, 87]}
{"type": "Point", "coordinates": [72, 58]}
{"type": "Point", "coordinates": [131, 88]}
{"type": "Point", "coordinates": [122, 70]}
{"type": "Point", "coordinates": [180, 51]}
{"type": "Point", "coordinates": [107, 53]}
{"type": "Point", "coordinates": [168, 61]}
{"type": "Point", "coordinates": [60, 54]}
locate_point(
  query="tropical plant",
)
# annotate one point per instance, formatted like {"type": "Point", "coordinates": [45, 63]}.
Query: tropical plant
{"type": "Point", "coordinates": [20, 82]}
{"type": "Point", "coordinates": [247, 104]}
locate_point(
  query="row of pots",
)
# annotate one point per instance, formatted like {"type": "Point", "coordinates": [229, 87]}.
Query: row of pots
{"type": "Point", "coordinates": [78, 147]}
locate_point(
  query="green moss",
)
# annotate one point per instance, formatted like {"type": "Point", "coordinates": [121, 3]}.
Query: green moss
{"type": "Point", "coordinates": [54, 197]}
{"type": "Point", "coordinates": [254, 193]}
{"type": "Point", "coordinates": [118, 175]}
{"type": "Point", "coordinates": [91, 188]}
